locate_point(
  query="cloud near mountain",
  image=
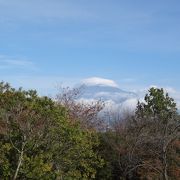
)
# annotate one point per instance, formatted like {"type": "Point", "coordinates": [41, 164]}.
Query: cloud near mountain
{"type": "Point", "coordinates": [100, 81]}
{"type": "Point", "coordinates": [96, 88]}
{"type": "Point", "coordinates": [115, 98]}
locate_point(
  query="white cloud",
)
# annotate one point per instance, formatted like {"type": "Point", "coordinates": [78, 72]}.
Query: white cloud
{"type": "Point", "coordinates": [130, 103]}
{"type": "Point", "coordinates": [20, 63]}
{"type": "Point", "coordinates": [100, 81]}
{"type": "Point", "coordinates": [7, 62]}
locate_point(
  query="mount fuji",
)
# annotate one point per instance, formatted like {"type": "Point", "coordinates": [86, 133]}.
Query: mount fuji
{"type": "Point", "coordinates": [109, 92]}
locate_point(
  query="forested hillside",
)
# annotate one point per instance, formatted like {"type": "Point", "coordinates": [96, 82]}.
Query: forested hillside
{"type": "Point", "coordinates": [45, 138]}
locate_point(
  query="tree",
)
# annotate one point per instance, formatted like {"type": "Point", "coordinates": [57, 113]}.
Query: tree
{"type": "Point", "coordinates": [145, 145]}
{"type": "Point", "coordinates": [24, 118]}
{"type": "Point", "coordinates": [87, 114]}
{"type": "Point", "coordinates": [157, 127]}
{"type": "Point", "coordinates": [39, 141]}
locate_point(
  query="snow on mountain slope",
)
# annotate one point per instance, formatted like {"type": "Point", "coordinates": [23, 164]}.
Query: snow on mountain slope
{"type": "Point", "coordinates": [109, 92]}
{"type": "Point", "coordinates": [106, 93]}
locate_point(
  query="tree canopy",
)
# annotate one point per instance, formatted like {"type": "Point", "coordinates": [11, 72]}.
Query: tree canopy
{"type": "Point", "coordinates": [38, 141]}
{"type": "Point", "coordinates": [42, 138]}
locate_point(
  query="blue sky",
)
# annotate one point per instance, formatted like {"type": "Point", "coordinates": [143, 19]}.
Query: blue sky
{"type": "Point", "coordinates": [135, 43]}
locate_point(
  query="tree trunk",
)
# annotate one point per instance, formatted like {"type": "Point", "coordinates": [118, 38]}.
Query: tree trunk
{"type": "Point", "coordinates": [19, 162]}
{"type": "Point", "coordinates": [165, 175]}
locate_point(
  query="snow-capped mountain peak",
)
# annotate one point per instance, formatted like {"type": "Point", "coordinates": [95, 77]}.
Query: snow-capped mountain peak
{"type": "Point", "coordinates": [106, 93]}
{"type": "Point", "coordinates": [96, 88]}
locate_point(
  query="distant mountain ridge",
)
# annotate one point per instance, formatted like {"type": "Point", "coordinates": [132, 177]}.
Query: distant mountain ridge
{"type": "Point", "coordinates": [107, 90]}
{"type": "Point", "coordinates": [106, 93]}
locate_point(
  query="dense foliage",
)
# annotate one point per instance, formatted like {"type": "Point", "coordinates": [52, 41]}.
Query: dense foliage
{"type": "Point", "coordinates": [63, 139]}
{"type": "Point", "coordinates": [39, 142]}
{"type": "Point", "coordinates": [145, 145]}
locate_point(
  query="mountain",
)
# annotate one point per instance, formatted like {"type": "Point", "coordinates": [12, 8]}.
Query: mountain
{"type": "Point", "coordinates": [114, 97]}
{"type": "Point", "coordinates": [106, 93]}
{"type": "Point", "coordinates": [96, 88]}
